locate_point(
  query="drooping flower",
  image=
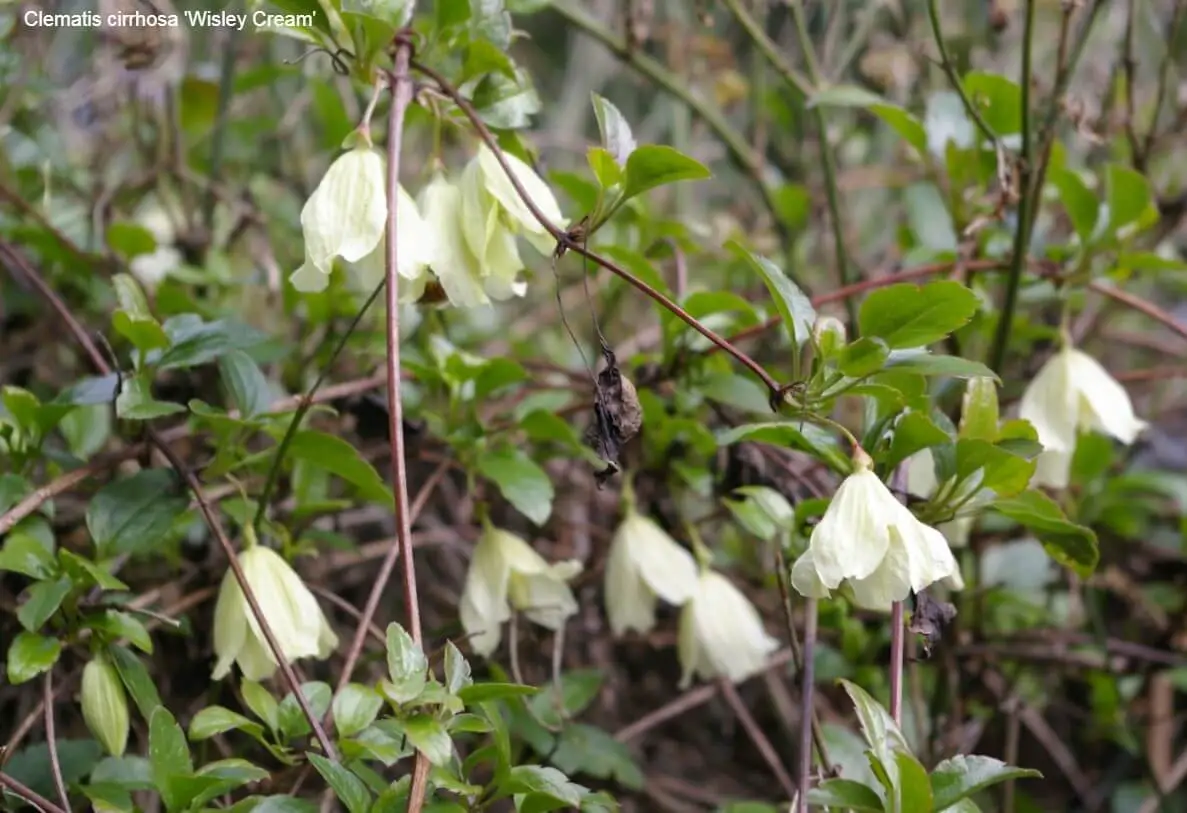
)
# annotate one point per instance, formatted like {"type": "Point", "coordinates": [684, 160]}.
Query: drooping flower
{"type": "Point", "coordinates": [460, 272]}
{"type": "Point", "coordinates": [293, 615]}
{"type": "Point", "coordinates": [1070, 394]}
{"type": "Point", "coordinates": [105, 705]}
{"type": "Point", "coordinates": [645, 564]}
{"type": "Point", "coordinates": [506, 573]}
{"type": "Point", "coordinates": [151, 268]}
{"type": "Point", "coordinates": [346, 217]}
{"type": "Point", "coordinates": [513, 212]}
{"type": "Point", "coordinates": [870, 540]}
{"type": "Point", "coordinates": [721, 634]}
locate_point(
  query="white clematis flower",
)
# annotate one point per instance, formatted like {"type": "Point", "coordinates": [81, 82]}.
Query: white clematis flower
{"type": "Point", "coordinates": [293, 615]}
{"type": "Point", "coordinates": [515, 214]}
{"type": "Point", "coordinates": [346, 216]}
{"type": "Point", "coordinates": [645, 563]}
{"type": "Point", "coordinates": [721, 634]}
{"type": "Point", "coordinates": [873, 542]}
{"type": "Point", "coordinates": [1070, 394]}
{"type": "Point", "coordinates": [506, 573]}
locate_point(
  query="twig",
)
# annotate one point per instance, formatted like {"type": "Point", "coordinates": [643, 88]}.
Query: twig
{"type": "Point", "coordinates": [1001, 339]}
{"type": "Point", "coordinates": [689, 700]}
{"type": "Point", "coordinates": [754, 731]}
{"type": "Point", "coordinates": [18, 263]}
{"type": "Point", "coordinates": [568, 243]}
{"type": "Point", "coordinates": [933, 15]}
{"type": "Point", "coordinates": [51, 740]}
{"type": "Point", "coordinates": [809, 727]}
{"type": "Point", "coordinates": [401, 87]}
{"type": "Point", "coordinates": [897, 639]}
{"type": "Point", "coordinates": [28, 794]}
{"type": "Point", "coordinates": [1141, 305]}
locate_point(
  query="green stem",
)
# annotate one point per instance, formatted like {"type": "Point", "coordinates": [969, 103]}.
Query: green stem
{"type": "Point", "coordinates": [302, 409]}
{"type": "Point", "coordinates": [1001, 339]}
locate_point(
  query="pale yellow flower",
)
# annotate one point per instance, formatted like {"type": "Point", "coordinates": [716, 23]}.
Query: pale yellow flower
{"type": "Point", "coordinates": [1073, 393]}
{"type": "Point", "coordinates": [293, 615]}
{"type": "Point", "coordinates": [506, 573]}
{"type": "Point", "coordinates": [645, 564]}
{"type": "Point", "coordinates": [721, 634]}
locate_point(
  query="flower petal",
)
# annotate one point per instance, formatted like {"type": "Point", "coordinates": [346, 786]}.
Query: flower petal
{"type": "Point", "coordinates": [852, 536]}
{"type": "Point", "coordinates": [452, 261]}
{"type": "Point", "coordinates": [345, 216]}
{"type": "Point", "coordinates": [630, 603]}
{"type": "Point", "coordinates": [1103, 403]}
{"type": "Point", "coordinates": [1053, 468]}
{"type": "Point", "coordinates": [1049, 403]}
{"type": "Point", "coordinates": [890, 582]}
{"type": "Point", "coordinates": [921, 474]}
{"type": "Point", "coordinates": [806, 580]}
{"type": "Point", "coordinates": [309, 279]}
{"type": "Point", "coordinates": [255, 660]}
{"type": "Point", "coordinates": [230, 626]}
{"type": "Point", "coordinates": [545, 598]}
{"type": "Point", "coordinates": [729, 629]}
{"type": "Point", "coordinates": [500, 187]}
{"type": "Point", "coordinates": [668, 569]}
{"type": "Point", "coordinates": [483, 607]}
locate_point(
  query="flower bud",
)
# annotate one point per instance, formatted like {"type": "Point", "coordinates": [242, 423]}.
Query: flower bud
{"type": "Point", "coordinates": [829, 334]}
{"type": "Point", "coordinates": [105, 706]}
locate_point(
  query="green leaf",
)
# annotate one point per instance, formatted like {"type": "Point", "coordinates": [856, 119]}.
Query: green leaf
{"type": "Point", "coordinates": [863, 357]}
{"type": "Point", "coordinates": [284, 804]}
{"type": "Point", "coordinates": [1149, 261]}
{"type": "Point", "coordinates": [249, 388]}
{"type": "Point", "coordinates": [1002, 471]}
{"type": "Point", "coordinates": [523, 483]}
{"type": "Point", "coordinates": [484, 692]}
{"type": "Point", "coordinates": [136, 402]}
{"type": "Point", "coordinates": [29, 655]}
{"type": "Point", "coordinates": [31, 767]}
{"type": "Point", "coordinates": [913, 787]}
{"type": "Point", "coordinates": [604, 167]}
{"type": "Point", "coordinates": [998, 99]}
{"type": "Point", "coordinates": [798, 435]}
{"type": "Point", "coordinates": [653, 165]}
{"type": "Point", "coordinates": [909, 128]}
{"type": "Point", "coordinates": [961, 776]}
{"type": "Point", "coordinates": [541, 779]}
{"type": "Point", "coordinates": [44, 599]}
{"type": "Point", "coordinates": [214, 720]}
{"type": "Point", "coordinates": [929, 218]}
{"type": "Point", "coordinates": [614, 130]}
{"type": "Point", "coordinates": [846, 794]}
{"type": "Point", "coordinates": [134, 515]}
{"type": "Point", "coordinates": [396, 13]}
{"type": "Point", "coordinates": [913, 432]}
{"type": "Point", "coordinates": [843, 96]}
{"type": "Point", "coordinates": [355, 707]}
{"type": "Point", "coordinates": [590, 751]}
{"type": "Point", "coordinates": [196, 342]}
{"type": "Point", "coordinates": [795, 309]}
{"type": "Point", "coordinates": [86, 572]}
{"type": "Point", "coordinates": [136, 680]}
{"type": "Point", "coordinates": [131, 296]}
{"type": "Point", "coordinates": [578, 689]}
{"type": "Point", "coordinates": [349, 789]}
{"type": "Point", "coordinates": [429, 736]}
{"type": "Point", "coordinates": [261, 703]}
{"type": "Point", "coordinates": [457, 669]}
{"type": "Point", "coordinates": [23, 553]}
{"type": "Point", "coordinates": [338, 457]}
{"type": "Point", "coordinates": [1071, 545]}
{"type": "Point", "coordinates": [1129, 198]}
{"type": "Point", "coordinates": [145, 334]}
{"type": "Point", "coordinates": [129, 240]}
{"type": "Point", "coordinates": [167, 751]}
{"type": "Point", "coordinates": [907, 315]}
{"type": "Point", "coordinates": [1078, 201]}
{"type": "Point", "coordinates": [407, 665]}
{"type": "Point", "coordinates": [924, 363]}
{"type": "Point", "coordinates": [116, 625]}
{"type": "Point", "coordinates": [879, 729]}
{"type": "Point", "coordinates": [979, 414]}
{"type": "Point", "coordinates": [290, 716]}
{"type": "Point", "coordinates": [489, 20]}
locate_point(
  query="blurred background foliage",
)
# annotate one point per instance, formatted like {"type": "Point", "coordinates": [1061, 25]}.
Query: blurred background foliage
{"type": "Point", "coordinates": [185, 154]}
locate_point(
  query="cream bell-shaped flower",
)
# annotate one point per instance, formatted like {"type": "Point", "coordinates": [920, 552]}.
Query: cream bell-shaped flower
{"type": "Point", "coordinates": [506, 573]}
{"type": "Point", "coordinates": [516, 214]}
{"type": "Point", "coordinates": [415, 248]}
{"type": "Point", "coordinates": [296, 620]}
{"type": "Point", "coordinates": [456, 267]}
{"type": "Point", "coordinates": [873, 542]}
{"type": "Point", "coordinates": [1070, 394]}
{"type": "Point", "coordinates": [346, 217]}
{"type": "Point", "coordinates": [488, 237]}
{"type": "Point", "coordinates": [721, 634]}
{"type": "Point", "coordinates": [645, 564]}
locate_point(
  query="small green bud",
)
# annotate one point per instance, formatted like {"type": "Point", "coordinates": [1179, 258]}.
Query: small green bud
{"type": "Point", "coordinates": [105, 706]}
{"type": "Point", "coordinates": [829, 333]}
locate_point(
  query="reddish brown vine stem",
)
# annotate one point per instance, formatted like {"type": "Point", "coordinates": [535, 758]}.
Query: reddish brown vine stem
{"type": "Point", "coordinates": [17, 264]}
{"type": "Point", "coordinates": [568, 241]}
